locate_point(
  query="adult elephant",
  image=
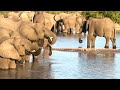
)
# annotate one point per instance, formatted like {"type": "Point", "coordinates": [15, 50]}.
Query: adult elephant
{"type": "Point", "coordinates": [101, 27]}
{"type": "Point", "coordinates": [33, 32]}
{"type": "Point", "coordinates": [14, 49]}
{"type": "Point", "coordinates": [21, 15]}
{"type": "Point", "coordinates": [27, 15]}
{"type": "Point", "coordinates": [46, 19]}
{"type": "Point", "coordinates": [59, 21]}
{"type": "Point", "coordinates": [73, 21]}
{"type": "Point", "coordinates": [38, 32]}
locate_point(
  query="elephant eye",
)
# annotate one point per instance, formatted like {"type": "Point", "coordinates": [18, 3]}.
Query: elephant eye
{"type": "Point", "coordinates": [22, 44]}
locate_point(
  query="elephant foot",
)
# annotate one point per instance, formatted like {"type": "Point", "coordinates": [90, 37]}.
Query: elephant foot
{"type": "Point", "coordinates": [12, 64]}
{"type": "Point", "coordinates": [106, 46]}
{"type": "Point", "coordinates": [88, 46]}
{"type": "Point", "coordinates": [80, 41]}
{"type": "Point", "coordinates": [93, 47]}
{"type": "Point", "coordinates": [114, 47]}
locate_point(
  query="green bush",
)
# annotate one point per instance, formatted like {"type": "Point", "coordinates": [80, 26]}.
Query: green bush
{"type": "Point", "coordinates": [114, 15]}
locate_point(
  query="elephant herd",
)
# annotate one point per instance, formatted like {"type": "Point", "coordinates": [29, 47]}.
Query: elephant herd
{"type": "Point", "coordinates": [26, 32]}
{"type": "Point", "coordinates": [20, 37]}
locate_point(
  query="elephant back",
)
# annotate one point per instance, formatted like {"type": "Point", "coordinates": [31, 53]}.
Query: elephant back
{"type": "Point", "coordinates": [10, 24]}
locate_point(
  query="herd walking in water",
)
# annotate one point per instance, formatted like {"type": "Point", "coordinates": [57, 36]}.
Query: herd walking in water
{"type": "Point", "coordinates": [26, 32]}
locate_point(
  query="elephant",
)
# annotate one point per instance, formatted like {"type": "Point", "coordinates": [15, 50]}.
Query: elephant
{"type": "Point", "coordinates": [35, 32]}
{"type": "Point", "coordinates": [103, 27]}
{"type": "Point", "coordinates": [27, 15]}
{"type": "Point", "coordinates": [73, 21]}
{"type": "Point", "coordinates": [13, 16]}
{"type": "Point", "coordinates": [10, 24]}
{"type": "Point", "coordinates": [21, 15]}
{"type": "Point", "coordinates": [46, 19]}
{"type": "Point", "coordinates": [16, 49]}
{"type": "Point", "coordinates": [59, 22]}
{"type": "Point", "coordinates": [7, 63]}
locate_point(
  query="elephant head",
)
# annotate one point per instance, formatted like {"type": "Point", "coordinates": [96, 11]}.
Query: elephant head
{"type": "Point", "coordinates": [23, 45]}
{"type": "Point", "coordinates": [37, 33]}
{"type": "Point", "coordinates": [41, 29]}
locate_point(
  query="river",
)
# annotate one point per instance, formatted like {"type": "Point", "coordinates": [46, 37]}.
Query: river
{"type": "Point", "coordinates": [70, 65]}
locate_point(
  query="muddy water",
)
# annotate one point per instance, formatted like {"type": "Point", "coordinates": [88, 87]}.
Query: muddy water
{"type": "Point", "coordinates": [70, 65]}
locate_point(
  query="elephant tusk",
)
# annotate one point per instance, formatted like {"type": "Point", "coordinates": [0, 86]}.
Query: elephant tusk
{"type": "Point", "coordinates": [51, 38]}
{"type": "Point", "coordinates": [33, 51]}
{"type": "Point", "coordinates": [63, 27]}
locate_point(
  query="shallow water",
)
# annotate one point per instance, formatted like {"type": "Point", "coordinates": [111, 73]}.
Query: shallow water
{"type": "Point", "coordinates": [70, 65]}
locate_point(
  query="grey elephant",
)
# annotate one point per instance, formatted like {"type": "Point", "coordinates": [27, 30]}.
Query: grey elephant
{"type": "Point", "coordinates": [38, 33]}
{"type": "Point", "coordinates": [34, 32]}
{"type": "Point", "coordinates": [73, 21]}
{"type": "Point", "coordinates": [46, 19]}
{"type": "Point", "coordinates": [59, 22]}
{"type": "Point", "coordinates": [14, 49]}
{"type": "Point", "coordinates": [103, 28]}
{"type": "Point", "coordinates": [21, 15]}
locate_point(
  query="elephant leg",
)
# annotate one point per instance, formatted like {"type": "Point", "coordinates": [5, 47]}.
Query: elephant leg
{"type": "Point", "coordinates": [26, 58]}
{"type": "Point", "coordinates": [93, 41]}
{"type": "Point", "coordinates": [113, 40]}
{"type": "Point", "coordinates": [107, 42]}
{"type": "Point", "coordinates": [77, 28]}
{"type": "Point", "coordinates": [88, 41]}
{"type": "Point", "coordinates": [66, 28]}
{"type": "Point", "coordinates": [21, 61]}
{"type": "Point", "coordinates": [70, 30]}
{"type": "Point", "coordinates": [12, 64]}
{"type": "Point", "coordinates": [4, 63]}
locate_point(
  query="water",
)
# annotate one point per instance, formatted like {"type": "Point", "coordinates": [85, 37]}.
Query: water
{"type": "Point", "coordinates": [70, 65]}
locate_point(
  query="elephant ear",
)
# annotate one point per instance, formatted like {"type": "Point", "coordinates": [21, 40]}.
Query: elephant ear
{"type": "Point", "coordinates": [4, 38]}
{"type": "Point", "coordinates": [18, 46]}
{"type": "Point", "coordinates": [39, 29]}
{"type": "Point", "coordinates": [5, 32]}
{"type": "Point", "coordinates": [28, 32]}
{"type": "Point", "coordinates": [7, 50]}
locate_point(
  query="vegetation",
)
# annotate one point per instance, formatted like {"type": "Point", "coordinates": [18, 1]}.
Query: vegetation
{"type": "Point", "coordinates": [114, 15]}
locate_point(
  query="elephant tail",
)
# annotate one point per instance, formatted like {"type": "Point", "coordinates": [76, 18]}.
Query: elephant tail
{"type": "Point", "coordinates": [54, 18]}
{"type": "Point", "coordinates": [114, 35]}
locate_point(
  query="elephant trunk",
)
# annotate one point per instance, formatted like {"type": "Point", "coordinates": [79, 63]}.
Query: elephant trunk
{"type": "Point", "coordinates": [36, 53]}
{"type": "Point", "coordinates": [50, 36]}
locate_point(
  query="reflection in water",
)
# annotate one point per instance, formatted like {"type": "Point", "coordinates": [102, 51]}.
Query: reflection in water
{"type": "Point", "coordinates": [30, 70]}
{"type": "Point", "coordinates": [100, 65]}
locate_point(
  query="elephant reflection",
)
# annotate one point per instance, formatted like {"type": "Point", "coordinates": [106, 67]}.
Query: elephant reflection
{"type": "Point", "coordinates": [94, 56]}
